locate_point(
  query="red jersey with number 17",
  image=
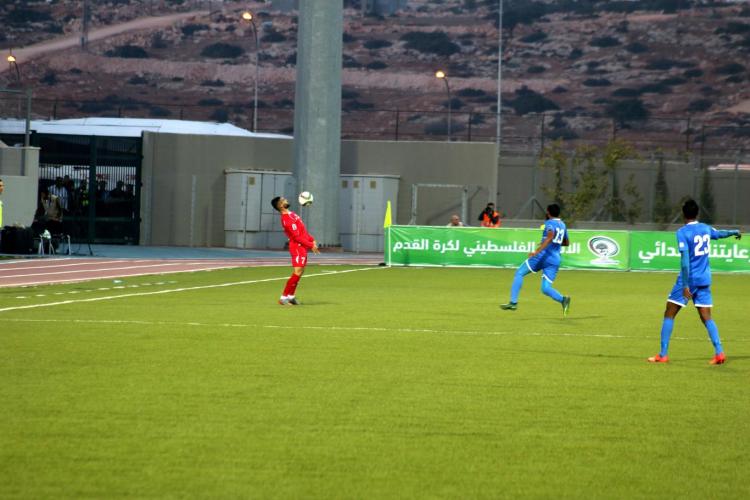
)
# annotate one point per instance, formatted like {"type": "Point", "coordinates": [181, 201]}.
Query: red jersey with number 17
{"type": "Point", "coordinates": [296, 232]}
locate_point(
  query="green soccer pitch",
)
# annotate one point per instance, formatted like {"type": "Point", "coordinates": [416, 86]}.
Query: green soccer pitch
{"type": "Point", "coordinates": [385, 383]}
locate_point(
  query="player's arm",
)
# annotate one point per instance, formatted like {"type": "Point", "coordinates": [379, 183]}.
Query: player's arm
{"type": "Point", "coordinates": [545, 243]}
{"type": "Point", "coordinates": [717, 234]}
{"type": "Point", "coordinates": [685, 274]}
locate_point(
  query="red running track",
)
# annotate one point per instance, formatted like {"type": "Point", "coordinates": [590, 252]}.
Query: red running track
{"type": "Point", "coordinates": [28, 272]}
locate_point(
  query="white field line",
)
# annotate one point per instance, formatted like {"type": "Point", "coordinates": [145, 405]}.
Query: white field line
{"type": "Point", "coordinates": [345, 328]}
{"type": "Point", "coordinates": [175, 290]}
{"type": "Point", "coordinates": [189, 263]}
{"type": "Point", "coordinates": [49, 265]}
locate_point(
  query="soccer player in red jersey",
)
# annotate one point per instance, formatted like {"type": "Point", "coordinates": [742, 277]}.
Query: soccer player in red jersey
{"type": "Point", "coordinates": [300, 241]}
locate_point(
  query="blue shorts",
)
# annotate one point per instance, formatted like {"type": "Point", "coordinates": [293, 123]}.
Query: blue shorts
{"type": "Point", "coordinates": [549, 267]}
{"type": "Point", "coordinates": [701, 295]}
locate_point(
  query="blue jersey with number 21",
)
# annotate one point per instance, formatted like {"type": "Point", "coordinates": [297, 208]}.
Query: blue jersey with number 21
{"type": "Point", "coordinates": [695, 239]}
{"type": "Point", "coordinates": [552, 252]}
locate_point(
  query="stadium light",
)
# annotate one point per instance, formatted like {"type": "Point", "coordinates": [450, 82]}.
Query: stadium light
{"type": "Point", "coordinates": [249, 17]}
{"type": "Point", "coordinates": [12, 63]}
{"type": "Point", "coordinates": [440, 75]}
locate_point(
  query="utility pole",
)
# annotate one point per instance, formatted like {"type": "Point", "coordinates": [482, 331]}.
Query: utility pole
{"type": "Point", "coordinates": [85, 25]}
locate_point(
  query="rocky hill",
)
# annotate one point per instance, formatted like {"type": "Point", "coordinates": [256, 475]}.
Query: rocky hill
{"type": "Point", "coordinates": [670, 72]}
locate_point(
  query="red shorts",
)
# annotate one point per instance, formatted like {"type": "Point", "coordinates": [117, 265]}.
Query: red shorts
{"type": "Point", "coordinates": [299, 256]}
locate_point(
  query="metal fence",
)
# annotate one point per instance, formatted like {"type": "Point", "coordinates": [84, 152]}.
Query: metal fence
{"type": "Point", "coordinates": [530, 132]}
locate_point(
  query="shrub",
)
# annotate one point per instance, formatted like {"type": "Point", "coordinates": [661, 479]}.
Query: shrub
{"type": "Point", "coordinates": [627, 110]}
{"type": "Point", "coordinates": [137, 80]}
{"type": "Point", "coordinates": [626, 92]}
{"type": "Point", "coordinates": [356, 105]}
{"type": "Point", "coordinates": [605, 41]}
{"type": "Point", "coordinates": [210, 102]}
{"type": "Point", "coordinates": [157, 41]}
{"type": "Point", "coordinates": [50, 78]}
{"type": "Point", "coordinates": [528, 101]}
{"type": "Point", "coordinates": [189, 29]}
{"type": "Point", "coordinates": [350, 62]}
{"type": "Point", "coordinates": [700, 105]}
{"type": "Point", "coordinates": [559, 90]}
{"type": "Point", "coordinates": [655, 88]}
{"type": "Point", "coordinates": [24, 16]}
{"type": "Point", "coordinates": [284, 103]}
{"type": "Point", "coordinates": [734, 79]}
{"type": "Point", "coordinates": [347, 38]}
{"type": "Point", "coordinates": [693, 73]}
{"type": "Point", "coordinates": [219, 115]}
{"type": "Point", "coordinates": [273, 37]}
{"type": "Point", "coordinates": [349, 94]}
{"type": "Point", "coordinates": [730, 69]}
{"type": "Point", "coordinates": [734, 28]}
{"type": "Point", "coordinates": [222, 50]}
{"type": "Point", "coordinates": [75, 71]}
{"type": "Point", "coordinates": [94, 107]}
{"type": "Point", "coordinates": [636, 48]}
{"type": "Point", "coordinates": [455, 103]}
{"type": "Point", "coordinates": [212, 83]}
{"type": "Point", "coordinates": [376, 65]}
{"type": "Point", "coordinates": [660, 64]}
{"type": "Point", "coordinates": [159, 112]}
{"type": "Point", "coordinates": [575, 54]}
{"type": "Point", "coordinates": [377, 44]}
{"type": "Point", "coordinates": [597, 82]}
{"type": "Point", "coordinates": [535, 37]}
{"type": "Point", "coordinates": [127, 51]}
{"type": "Point", "coordinates": [291, 59]}
{"type": "Point", "coordinates": [469, 92]}
{"type": "Point", "coordinates": [674, 80]}
{"type": "Point", "coordinates": [536, 70]}
{"type": "Point", "coordinates": [436, 42]}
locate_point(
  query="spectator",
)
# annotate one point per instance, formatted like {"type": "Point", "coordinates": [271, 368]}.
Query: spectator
{"type": "Point", "coordinates": [455, 221]}
{"type": "Point", "coordinates": [489, 216]}
{"type": "Point", "coordinates": [60, 190]}
{"type": "Point", "coordinates": [2, 188]}
{"type": "Point", "coordinates": [49, 213]}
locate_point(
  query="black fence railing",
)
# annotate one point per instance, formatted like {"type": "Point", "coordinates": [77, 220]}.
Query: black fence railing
{"type": "Point", "coordinates": [530, 132]}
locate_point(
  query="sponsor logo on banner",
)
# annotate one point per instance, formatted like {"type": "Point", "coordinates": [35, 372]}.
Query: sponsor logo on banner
{"type": "Point", "coordinates": [604, 248]}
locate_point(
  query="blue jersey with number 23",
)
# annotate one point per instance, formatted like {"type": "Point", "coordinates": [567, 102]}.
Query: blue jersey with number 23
{"type": "Point", "coordinates": [552, 252]}
{"type": "Point", "coordinates": [695, 239]}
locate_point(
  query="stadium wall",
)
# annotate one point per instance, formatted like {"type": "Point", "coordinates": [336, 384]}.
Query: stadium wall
{"type": "Point", "coordinates": [173, 210]}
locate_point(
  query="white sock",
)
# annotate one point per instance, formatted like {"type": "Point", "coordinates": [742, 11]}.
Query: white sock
{"type": "Point", "coordinates": [283, 297]}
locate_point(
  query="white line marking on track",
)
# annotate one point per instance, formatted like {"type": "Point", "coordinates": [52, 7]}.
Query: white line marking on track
{"type": "Point", "coordinates": [345, 328]}
{"type": "Point", "coordinates": [185, 289]}
{"type": "Point", "coordinates": [51, 264]}
{"type": "Point", "coordinates": [110, 269]}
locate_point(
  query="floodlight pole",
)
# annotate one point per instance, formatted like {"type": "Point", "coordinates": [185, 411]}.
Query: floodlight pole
{"type": "Point", "coordinates": [498, 119]}
{"type": "Point", "coordinates": [247, 16]}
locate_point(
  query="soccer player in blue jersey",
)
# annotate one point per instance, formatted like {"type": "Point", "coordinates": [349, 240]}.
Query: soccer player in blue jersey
{"type": "Point", "coordinates": [545, 258]}
{"type": "Point", "coordinates": [694, 280]}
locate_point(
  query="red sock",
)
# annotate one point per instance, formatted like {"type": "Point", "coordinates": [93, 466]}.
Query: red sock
{"type": "Point", "coordinates": [291, 285]}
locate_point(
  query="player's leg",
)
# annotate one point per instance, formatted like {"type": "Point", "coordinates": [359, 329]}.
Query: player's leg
{"type": "Point", "coordinates": [299, 260]}
{"type": "Point", "coordinates": [675, 303]}
{"type": "Point", "coordinates": [704, 303]}
{"type": "Point", "coordinates": [515, 288]}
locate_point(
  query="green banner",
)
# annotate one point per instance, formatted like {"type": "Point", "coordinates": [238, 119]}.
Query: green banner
{"type": "Point", "coordinates": [489, 247]}
{"type": "Point", "coordinates": [656, 250]}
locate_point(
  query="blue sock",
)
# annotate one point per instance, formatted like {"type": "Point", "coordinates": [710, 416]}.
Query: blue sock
{"type": "Point", "coordinates": [518, 282]}
{"type": "Point", "coordinates": [549, 291]}
{"type": "Point", "coordinates": [666, 333]}
{"type": "Point", "coordinates": [713, 333]}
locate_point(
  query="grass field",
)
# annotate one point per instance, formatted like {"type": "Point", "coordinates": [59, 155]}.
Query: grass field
{"type": "Point", "coordinates": [385, 383]}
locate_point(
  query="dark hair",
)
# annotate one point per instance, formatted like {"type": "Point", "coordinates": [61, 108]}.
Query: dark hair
{"type": "Point", "coordinates": [274, 203]}
{"type": "Point", "coordinates": [554, 210]}
{"type": "Point", "coordinates": [690, 209]}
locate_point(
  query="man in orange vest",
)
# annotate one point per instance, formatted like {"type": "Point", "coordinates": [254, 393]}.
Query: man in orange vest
{"type": "Point", "coordinates": [489, 216]}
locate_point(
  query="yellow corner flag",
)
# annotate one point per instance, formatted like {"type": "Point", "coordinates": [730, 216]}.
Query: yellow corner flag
{"type": "Point", "coordinates": [387, 221]}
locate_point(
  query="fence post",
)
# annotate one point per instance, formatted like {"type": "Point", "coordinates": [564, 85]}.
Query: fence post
{"type": "Point", "coordinates": [397, 120]}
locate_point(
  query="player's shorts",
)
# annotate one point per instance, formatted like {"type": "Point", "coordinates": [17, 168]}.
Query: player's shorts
{"type": "Point", "coordinates": [299, 256]}
{"type": "Point", "coordinates": [549, 267]}
{"type": "Point", "coordinates": [701, 295]}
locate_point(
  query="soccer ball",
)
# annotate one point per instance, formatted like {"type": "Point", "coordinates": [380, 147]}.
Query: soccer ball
{"type": "Point", "coordinates": [305, 198]}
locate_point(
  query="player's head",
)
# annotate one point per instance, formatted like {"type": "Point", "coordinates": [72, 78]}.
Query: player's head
{"type": "Point", "coordinates": [2, 186]}
{"type": "Point", "coordinates": [279, 203]}
{"type": "Point", "coordinates": [690, 210]}
{"type": "Point", "coordinates": [553, 210]}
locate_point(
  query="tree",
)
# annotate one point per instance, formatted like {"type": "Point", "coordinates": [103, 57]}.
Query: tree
{"type": "Point", "coordinates": [662, 207]}
{"type": "Point", "coordinates": [707, 202]}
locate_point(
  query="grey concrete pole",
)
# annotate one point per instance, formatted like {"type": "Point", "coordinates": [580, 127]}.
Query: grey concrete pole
{"type": "Point", "coordinates": [317, 115]}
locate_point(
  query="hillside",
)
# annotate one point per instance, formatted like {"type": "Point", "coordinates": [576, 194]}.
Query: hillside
{"type": "Point", "coordinates": [672, 70]}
